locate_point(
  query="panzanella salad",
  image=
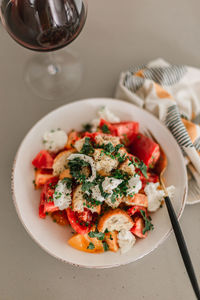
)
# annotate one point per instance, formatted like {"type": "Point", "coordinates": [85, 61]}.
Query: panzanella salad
{"type": "Point", "coordinates": [101, 181]}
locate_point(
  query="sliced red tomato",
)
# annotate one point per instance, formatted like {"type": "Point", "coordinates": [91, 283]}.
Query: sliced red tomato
{"type": "Point", "coordinates": [77, 224]}
{"type": "Point", "coordinates": [107, 127]}
{"type": "Point", "coordinates": [151, 177]}
{"type": "Point", "coordinates": [60, 217]}
{"type": "Point", "coordinates": [91, 135]}
{"type": "Point", "coordinates": [46, 198]}
{"type": "Point", "coordinates": [127, 131]}
{"type": "Point", "coordinates": [43, 160]}
{"type": "Point", "coordinates": [145, 149]}
{"type": "Point", "coordinates": [135, 210]}
{"type": "Point", "coordinates": [41, 177]}
{"type": "Point", "coordinates": [138, 227]}
{"type": "Point", "coordinates": [85, 216]}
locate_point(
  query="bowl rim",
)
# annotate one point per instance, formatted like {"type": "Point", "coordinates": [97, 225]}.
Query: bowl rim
{"type": "Point", "coordinates": [164, 238]}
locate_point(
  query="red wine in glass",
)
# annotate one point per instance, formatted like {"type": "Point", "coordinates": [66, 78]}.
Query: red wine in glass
{"type": "Point", "coordinates": [43, 25]}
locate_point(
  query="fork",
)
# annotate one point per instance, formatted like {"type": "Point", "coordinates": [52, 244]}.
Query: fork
{"type": "Point", "coordinates": [175, 223]}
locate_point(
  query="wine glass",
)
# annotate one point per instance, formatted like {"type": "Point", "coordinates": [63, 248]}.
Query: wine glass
{"type": "Point", "coordinates": [45, 26]}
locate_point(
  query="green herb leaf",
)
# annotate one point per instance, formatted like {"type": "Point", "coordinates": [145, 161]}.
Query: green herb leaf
{"type": "Point", "coordinates": [109, 148]}
{"type": "Point", "coordinates": [86, 186]}
{"type": "Point", "coordinates": [105, 129]}
{"type": "Point", "coordinates": [68, 182]}
{"type": "Point", "coordinates": [118, 147]}
{"type": "Point", "coordinates": [87, 147]}
{"type": "Point", "coordinates": [147, 222]}
{"type": "Point", "coordinates": [103, 194]}
{"type": "Point", "coordinates": [87, 127]}
{"type": "Point", "coordinates": [76, 166]}
{"type": "Point", "coordinates": [143, 168]}
{"type": "Point", "coordinates": [91, 246]}
{"type": "Point", "coordinates": [105, 246]}
{"type": "Point", "coordinates": [99, 235]}
{"type": "Point", "coordinates": [122, 158]}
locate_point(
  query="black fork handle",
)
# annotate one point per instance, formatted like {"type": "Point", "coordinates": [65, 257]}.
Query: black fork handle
{"type": "Point", "coordinates": [182, 247]}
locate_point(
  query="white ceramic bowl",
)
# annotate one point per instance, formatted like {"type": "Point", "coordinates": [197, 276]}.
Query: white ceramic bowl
{"type": "Point", "coordinates": [52, 237]}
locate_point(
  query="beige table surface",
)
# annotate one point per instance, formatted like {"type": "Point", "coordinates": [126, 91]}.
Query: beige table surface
{"type": "Point", "coordinates": [118, 35]}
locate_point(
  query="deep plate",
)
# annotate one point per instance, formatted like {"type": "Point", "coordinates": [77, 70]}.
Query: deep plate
{"type": "Point", "coordinates": [52, 237]}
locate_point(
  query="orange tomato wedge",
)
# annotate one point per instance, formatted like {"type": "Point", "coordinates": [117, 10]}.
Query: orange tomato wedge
{"type": "Point", "coordinates": [111, 240]}
{"type": "Point", "coordinates": [41, 178]}
{"type": "Point", "coordinates": [81, 243]}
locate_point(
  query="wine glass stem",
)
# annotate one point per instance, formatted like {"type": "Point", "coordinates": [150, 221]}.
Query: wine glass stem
{"type": "Point", "coordinates": [53, 67]}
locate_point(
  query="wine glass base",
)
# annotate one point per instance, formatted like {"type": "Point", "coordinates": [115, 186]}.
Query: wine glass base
{"type": "Point", "coordinates": [54, 76]}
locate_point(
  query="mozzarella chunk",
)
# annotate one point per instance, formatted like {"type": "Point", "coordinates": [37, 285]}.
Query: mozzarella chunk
{"type": "Point", "coordinates": [126, 240]}
{"type": "Point", "coordinates": [110, 183]}
{"type": "Point", "coordinates": [171, 191]}
{"type": "Point", "coordinates": [134, 185]}
{"type": "Point", "coordinates": [104, 163]}
{"type": "Point", "coordinates": [106, 114]}
{"type": "Point", "coordinates": [89, 160]}
{"type": "Point", "coordinates": [54, 140]}
{"type": "Point", "coordinates": [103, 139]}
{"type": "Point", "coordinates": [155, 196]}
{"type": "Point", "coordinates": [62, 195]}
{"type": "Point", "coordinates": [96, 194]}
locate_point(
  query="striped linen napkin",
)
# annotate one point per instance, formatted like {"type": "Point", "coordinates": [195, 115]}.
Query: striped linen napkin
{"type": "Point", "coordinates": [172, 94]}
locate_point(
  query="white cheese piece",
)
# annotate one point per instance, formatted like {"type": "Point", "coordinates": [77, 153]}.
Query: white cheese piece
{"type": "Point", "coordinates": [54, 140]}
{"type": "Point", "coordinates": [107, 115]}
{"type": "Point", "coordinates": [96, 194]}
{"type": "Point", "coordinates": [62, 195]}
{"type": "Point", "coordinates": [135, 185]}
{"type": "Point", "coordinates": [126, 240]}
{"type": "Point", "coordinates": [89, 160]}
{"type": "Point", "coordinates": [155, 196]}
{"type": "Point", "coordinates": [171, 191]}
{"type": "Point", "coordinates": [110, 183]}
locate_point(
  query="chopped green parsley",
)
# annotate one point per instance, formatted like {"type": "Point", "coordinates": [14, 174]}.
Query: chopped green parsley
{"type": "Point", "coordinates": [105, 129]}
{"type": "Point", "coordinates": [147, 222]}
{"type": "Point", "coordinates": [91, 246]}
{"type": "Point", "coordinates": [99, 235]}
{"type": "Point", "coordinates": [87, 147]}
{"type": "Point", "coordinates": [105, 246]}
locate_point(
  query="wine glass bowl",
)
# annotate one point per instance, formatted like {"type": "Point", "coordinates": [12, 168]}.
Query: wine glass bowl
{"type": "Point", "coordinates": [45, 26]}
